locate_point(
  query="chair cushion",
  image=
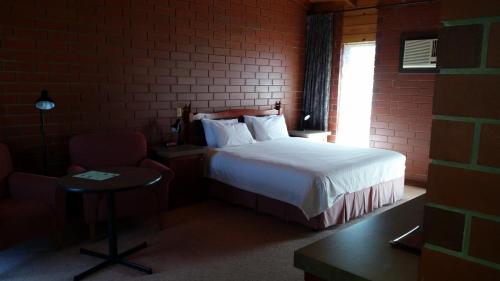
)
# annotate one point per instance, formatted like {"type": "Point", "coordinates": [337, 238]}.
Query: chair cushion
{"type": "Point", "coordinates": [22, 220]}
{"type": "Point", "coordinates": [100, 150]}
{"type": "Point", "coordinates": [5, 169]}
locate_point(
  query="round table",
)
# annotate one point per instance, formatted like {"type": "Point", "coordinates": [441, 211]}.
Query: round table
{"type": "Point", "coordinates": [128, 178]}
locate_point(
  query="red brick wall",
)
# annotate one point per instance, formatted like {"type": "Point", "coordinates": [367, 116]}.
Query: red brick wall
{"type": "Point", "coordinates": [402, 102]}
{"type": "Point", "coordinates": [113, 65]}
{"type": "Point", "coordinates": [462, 217]}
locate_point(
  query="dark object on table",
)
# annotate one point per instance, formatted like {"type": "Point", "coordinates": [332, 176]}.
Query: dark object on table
{"type": "Point", "coordinates": [44, 103]}
{"type": "Point", "coordinates": [128, 178]}
{"type": "Point", "coordinates": [30, 205]}
{"type": "Point", "coordinates": [361, 251]}
{"type": "Point", "coordinates": [412, 241]}
{"type": "Point", "coordinates": [177, 129]}
{"type": "Point", "coordinates": [120, 149]}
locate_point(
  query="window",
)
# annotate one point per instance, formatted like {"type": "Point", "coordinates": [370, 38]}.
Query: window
{"type": "Point", "coordinates": [355, 94]}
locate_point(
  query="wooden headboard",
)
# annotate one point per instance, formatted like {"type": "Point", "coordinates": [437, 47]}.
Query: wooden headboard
{"type": "Point", "coordinates": [193, 129]}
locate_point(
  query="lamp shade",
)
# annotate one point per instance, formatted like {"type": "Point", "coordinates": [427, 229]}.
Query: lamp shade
{"type": "Point", "coordinates": [44, 102]}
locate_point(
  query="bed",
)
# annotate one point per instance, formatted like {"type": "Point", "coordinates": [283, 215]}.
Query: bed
{"type": "Point", "coordinates": [318, 185]}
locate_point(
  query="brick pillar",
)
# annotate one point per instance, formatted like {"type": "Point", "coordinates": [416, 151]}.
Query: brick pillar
{"type": "Point", "coordinates": [462, 218]}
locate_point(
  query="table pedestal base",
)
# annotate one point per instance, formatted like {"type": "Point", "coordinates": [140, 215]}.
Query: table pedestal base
{"type": "Point", "coordinates": [110, 260]}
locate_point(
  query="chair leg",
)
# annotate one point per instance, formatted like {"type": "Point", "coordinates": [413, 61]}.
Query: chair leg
{"type": "Point", "coordinates": [92, 231]}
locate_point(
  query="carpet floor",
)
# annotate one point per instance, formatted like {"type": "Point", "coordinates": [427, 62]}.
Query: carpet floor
{"type": "Point", "coordinates": [209, 241]}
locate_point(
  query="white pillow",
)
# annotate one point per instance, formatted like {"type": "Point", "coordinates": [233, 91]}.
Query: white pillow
{"type": "Point", "coordinates": [208, 129]}
{"type": "Point", "coordinates": [232, 134]}
{"type": "Point", "coordinates": [271, 128]}
{"type": "Point", "coordinates": [250, 119]}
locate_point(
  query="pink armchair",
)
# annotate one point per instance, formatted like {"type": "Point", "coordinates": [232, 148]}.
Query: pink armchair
{"type": "Point", "coordinates": [121, 149]}
{"type": "Point", "coordinates": [30, 205]}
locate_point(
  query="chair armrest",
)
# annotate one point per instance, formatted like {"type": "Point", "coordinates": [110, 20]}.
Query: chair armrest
{"type": "Point", "coordinates": [44, 189]}
{"type": "Point", "coordinates": [166, 173]}
{"type": "Point", "coordinates": [34, 187]}
{"type": "Point", "coordinates": [75, 168]}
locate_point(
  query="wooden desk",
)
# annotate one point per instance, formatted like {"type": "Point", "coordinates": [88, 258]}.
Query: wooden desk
{"type": "Point", "coordinates": [363, 252]}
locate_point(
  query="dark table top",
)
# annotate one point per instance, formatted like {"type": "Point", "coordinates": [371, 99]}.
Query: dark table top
{"type": "Point", "coordinates": [129, 178]}
{"type": "Point", "coordinates": [363, 252]}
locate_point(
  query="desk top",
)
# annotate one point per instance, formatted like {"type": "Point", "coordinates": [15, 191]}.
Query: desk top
{"type": "Point", "coordinates": [129, 178]}
{"type": "Point", "coordinates": [363, 252]}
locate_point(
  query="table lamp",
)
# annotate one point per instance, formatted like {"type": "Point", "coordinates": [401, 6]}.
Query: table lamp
{"type": "Point", "coordinates": [177, 126]}
{"type": "Point", "coordinates": [44, 103]}
{"type": "Point", "coordinates": [303, 119]}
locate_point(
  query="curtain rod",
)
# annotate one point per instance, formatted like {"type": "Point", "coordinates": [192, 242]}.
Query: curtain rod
{"type": "Point", "coordinates": [382, 6]}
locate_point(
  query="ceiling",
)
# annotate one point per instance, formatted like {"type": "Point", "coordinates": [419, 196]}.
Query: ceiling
{"type": "Point", "coordinates": [338, 5]}
{"type": "Point", "coordinates": [345, 2]}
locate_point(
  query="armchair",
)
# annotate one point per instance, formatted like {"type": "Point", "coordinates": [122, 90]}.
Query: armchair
{"type": "Point", "coordinates": [105, 150]}
{"type": "Point", "coordinates": [30, 205]}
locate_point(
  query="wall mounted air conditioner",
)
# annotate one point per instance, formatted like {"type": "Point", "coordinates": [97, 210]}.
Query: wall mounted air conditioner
{"type": "Point", "coordinates": [418, 54]}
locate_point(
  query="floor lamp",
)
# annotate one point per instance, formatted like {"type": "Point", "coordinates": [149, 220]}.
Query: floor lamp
{"type": "Point", "coordinates": [44, 103]}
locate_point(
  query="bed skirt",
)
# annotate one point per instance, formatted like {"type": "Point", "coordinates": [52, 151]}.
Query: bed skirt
{"type": "Point", "coordinates": [347, 207]}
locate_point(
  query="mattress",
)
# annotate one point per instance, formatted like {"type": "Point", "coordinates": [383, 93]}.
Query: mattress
{"type": "Point", "coordinates": [310, 176]}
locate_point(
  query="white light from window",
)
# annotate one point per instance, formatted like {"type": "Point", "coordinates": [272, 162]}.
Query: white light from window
{"type": "Point", "coordinates": [355, 94]}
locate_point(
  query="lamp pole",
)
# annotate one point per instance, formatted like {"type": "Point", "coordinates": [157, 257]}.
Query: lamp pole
{"type": "Point", "coordinates": [44, 142]}
{"type": "Point", "coordinates": [44, 103]}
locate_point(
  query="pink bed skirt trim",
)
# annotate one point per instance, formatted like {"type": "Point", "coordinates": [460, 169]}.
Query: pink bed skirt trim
{"type": "Point", "coordinates": [347, 207]}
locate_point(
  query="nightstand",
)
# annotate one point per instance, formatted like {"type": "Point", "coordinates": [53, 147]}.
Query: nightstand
{"type": "Point", "coordinates": [313, 135]}
{"type": "Point", "coordinates": [187, 163]}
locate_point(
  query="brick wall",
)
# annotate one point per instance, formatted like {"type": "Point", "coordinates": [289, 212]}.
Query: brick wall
{"type": "Point", "coordinates": [462, 218]}
{"type": "Point", "coordinates": [114, 65]}
{"type": "Point", "coordinates": [402, 102]}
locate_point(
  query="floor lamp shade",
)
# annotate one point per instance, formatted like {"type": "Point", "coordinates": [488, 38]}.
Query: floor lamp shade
{"type": "Point", "coordinates": [44, 102]}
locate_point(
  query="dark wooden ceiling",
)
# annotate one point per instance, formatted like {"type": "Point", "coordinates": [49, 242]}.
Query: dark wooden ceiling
{"type": "Point", "coordinates": [339, 5]}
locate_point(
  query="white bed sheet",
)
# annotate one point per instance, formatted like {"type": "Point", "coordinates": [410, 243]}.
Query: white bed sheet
{"type": "Point", "coordinates": [302, 173]}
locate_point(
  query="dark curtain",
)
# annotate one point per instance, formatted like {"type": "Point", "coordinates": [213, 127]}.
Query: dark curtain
{"type": "Point", "coordinates": [316, 99]}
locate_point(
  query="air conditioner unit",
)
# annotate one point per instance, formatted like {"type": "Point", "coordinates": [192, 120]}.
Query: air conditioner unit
{"type": "Point", "coordinates": [419, 53]}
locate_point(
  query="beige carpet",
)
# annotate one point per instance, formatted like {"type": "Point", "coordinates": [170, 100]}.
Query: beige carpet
{"type": "Point", "coordinates": [209, 241]}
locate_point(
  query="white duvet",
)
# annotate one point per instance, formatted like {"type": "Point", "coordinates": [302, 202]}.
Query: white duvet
{"type": "Point", "coordinates": [305, 174]}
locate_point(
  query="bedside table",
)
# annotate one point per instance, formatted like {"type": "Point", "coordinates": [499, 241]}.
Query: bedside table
{"type": "Point", "coordinates": [187, 163]}
{"type": "Point", "coordinates": [313, 135]}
